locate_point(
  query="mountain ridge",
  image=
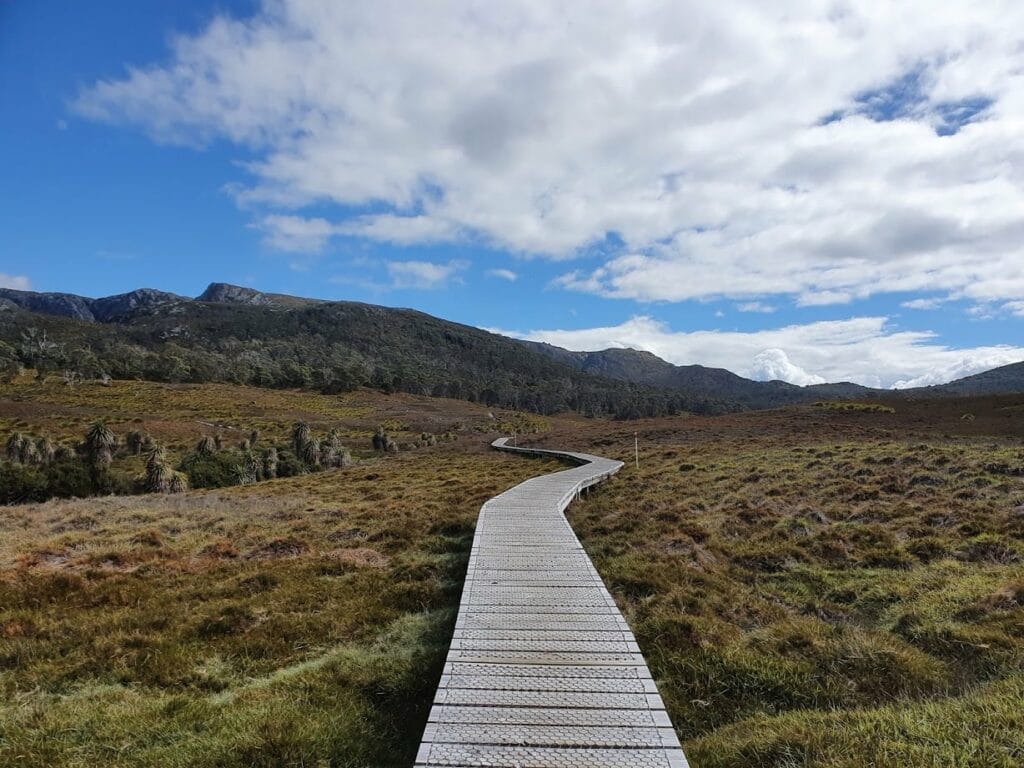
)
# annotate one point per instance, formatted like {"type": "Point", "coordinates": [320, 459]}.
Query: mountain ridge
{"type": "Point", "coordinates": [245, 311]}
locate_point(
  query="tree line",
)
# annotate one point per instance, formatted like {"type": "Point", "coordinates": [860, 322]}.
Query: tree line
{"type": "Point", "coordinates": [330, 348]}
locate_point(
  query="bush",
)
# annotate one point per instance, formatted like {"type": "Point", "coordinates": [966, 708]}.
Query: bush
{"type": "Point", "coordinates": [288, 464]}
{"type": "Point", "coordinates": [19, 483]}
{"type": "Point", "coordinates": [215, 470]}
{"type": "Point", "coordinates": [69, 477]}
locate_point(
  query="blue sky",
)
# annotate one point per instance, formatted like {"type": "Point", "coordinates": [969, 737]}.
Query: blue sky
{"type": "Point", "coordinates": [804, 194]}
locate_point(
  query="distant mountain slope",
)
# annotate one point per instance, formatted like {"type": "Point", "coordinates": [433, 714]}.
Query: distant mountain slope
{"type": "Point", "coordinates": [240, 335]}
{"type": "Point", "coordinates": [1005, 380]}
{"type": "Point", "coordinates": [105, 310]}
{"type": "Point", "coordinates": [698, 380]}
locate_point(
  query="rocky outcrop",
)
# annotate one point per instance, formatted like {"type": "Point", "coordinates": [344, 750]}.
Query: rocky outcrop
{"type": "Point", "coordinates": [113, 308]}
{"type": "Point", "coordinates": [61, 304]}
{"type": "Point", "coordinates": [225, 293]}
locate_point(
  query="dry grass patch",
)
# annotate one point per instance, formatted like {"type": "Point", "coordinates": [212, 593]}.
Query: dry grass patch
{"type": "Point", "coordinates": [295, 621]}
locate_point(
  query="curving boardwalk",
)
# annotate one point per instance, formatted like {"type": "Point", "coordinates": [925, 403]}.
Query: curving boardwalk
{"type": "Point", "coordinates": [543, 671]}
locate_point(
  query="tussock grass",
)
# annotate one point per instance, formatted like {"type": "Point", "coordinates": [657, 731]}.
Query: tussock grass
{"type": "Point", "coordinates": [813, 591]}
{"type": "Point", "coordinates": [301, 621]}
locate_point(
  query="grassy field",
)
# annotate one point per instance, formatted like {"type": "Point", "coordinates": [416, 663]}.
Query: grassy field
{"type": "Point", "coordinates": [824, 586]}
{"type": "Point", "coordinates": [300, 621]}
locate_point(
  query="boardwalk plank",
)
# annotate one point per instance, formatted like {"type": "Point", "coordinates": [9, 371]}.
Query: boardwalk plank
{"type": "Point", "coordinates": [543, 671]}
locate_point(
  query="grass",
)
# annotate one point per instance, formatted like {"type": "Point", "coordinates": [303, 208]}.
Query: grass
{"type": "Point", "coordinates": [849, 405]}
{"type": "Point", "coordinates": [301, 621]}
{"type": "Point", "coordinates": [811, 589]}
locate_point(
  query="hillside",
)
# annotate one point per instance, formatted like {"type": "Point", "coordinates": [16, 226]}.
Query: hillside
{"type": "Point", "coordinates": [242, 336]}
{"type": "Point", "coordinates": [1007, 379]}
{"type": "Point", "coordinates": [699, 380]}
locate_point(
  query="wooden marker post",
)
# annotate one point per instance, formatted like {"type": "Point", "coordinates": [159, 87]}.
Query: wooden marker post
{"type": "Point", "coordinates": [636, 449]}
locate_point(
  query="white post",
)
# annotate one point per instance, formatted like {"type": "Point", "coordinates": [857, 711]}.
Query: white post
{"type": "Point", "coordinates": [636, 449]}
{"type": "Point", "coordinates": [513, 437]}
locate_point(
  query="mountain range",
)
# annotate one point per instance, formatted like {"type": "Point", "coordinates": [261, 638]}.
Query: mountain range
{"type": "Point", "coordinates": [239, 334]}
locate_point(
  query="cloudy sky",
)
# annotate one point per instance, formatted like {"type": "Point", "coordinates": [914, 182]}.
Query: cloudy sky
{"type": "Point", "coordinates": [801, 190]}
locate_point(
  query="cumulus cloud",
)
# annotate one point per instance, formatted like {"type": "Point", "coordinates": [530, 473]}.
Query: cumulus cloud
{"type": "Point", "coordinates": [922, 303]}
{"type": "Point", "coordinates": [296, 234]}
{"type": "Point", "coordinates": [503, 274]}
{"type": "Point", "coordinates": [423, 275]}
{"type": "Point", "coordinates": [17, 282]}
{"type": "Point", "coordinates": [865, 350]}
{"type": "Point", "coordinates": [824, 151]}
{"type": "Point", "coordinates": [775, 365]}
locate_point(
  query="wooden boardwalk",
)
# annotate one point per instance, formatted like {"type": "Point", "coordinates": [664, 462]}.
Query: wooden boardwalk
{"type": "Point", "coordinates": [543, 671]}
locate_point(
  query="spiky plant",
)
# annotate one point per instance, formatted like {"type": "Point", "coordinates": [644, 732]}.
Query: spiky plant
{"type": "Point", "coordinates": [300, 437]}
{"type": "Point", "coordinates": [254, 437]}
{"type": "Point", "coordinates": [390, 446]}
{"type": "Point", "coordinates": [158, 476]}
{"type": "Point", "coordinates": [99, 445]}
{"type": "Point", "coordinates": [45, 449]}
{"type": "Point", "coordinates": [343, 458]}
{"type": "Point", "coordinates": [327, 454]}
{"type": "Point", "coordinates": [311, 453]}
{"type": "Point", "coordinates": [12, 448]}
{"type": "Point", "coordinates": [218, 440]}
{"type": "Point", "coordinates": [333, 452]}
{"type": "Point", "coordinates": [245, 445]}
{"type": "Point", "coordinates": [29, 452]}
{"type": "Point", "coordinates": [156, 455]}
{"type": "Point", "coordinates": [380, 439]}
{"type": "Point", "coordinates": [250, 470]}
{"type": "Point", "coordinates": [207, 446]}
{"type": "Point", "coordinates": [179, 483]}
{"type": "Point", "coordinates": [270, 463]}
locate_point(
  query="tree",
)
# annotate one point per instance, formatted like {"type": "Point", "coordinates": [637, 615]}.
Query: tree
{"type": "Point", "coordinates": [300, 436]}
{"type": "Point", "coordinates": [99, 445]}
{"type": "Point", "coordinates": [10, 365]}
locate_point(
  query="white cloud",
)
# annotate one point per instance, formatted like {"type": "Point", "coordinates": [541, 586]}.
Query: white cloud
{"type": "Point", "coordinates": [423, 275]}
{"type": "Point", "coordinates": [17, 282]}
{"type": "Point", "coordinates": [295, 233]}
{"type": "Point", "coordinates": [503, 274]}
{"type": "Point", "coordinates": [755, 306]}
{"type": "Point", "coordinates": [865, 350]}
{"type": "Point", "coordinates": [693, 131]}
{"type": "Point", "coordinates": [402, 230]}
{"type": "Point", "coordinates": [1015, 308]}
{"type": "Point", "coordinates": [922, 303]}
{"type": "Point", "coordinates": [775, 365]}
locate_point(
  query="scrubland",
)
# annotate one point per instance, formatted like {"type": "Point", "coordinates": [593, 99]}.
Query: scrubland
{"type": "Point", "coordinates": [825, 586]}
{"type": "Point", "coordinates": [829, 585]}
{"type": "Point", "coordinates": [301, 621]}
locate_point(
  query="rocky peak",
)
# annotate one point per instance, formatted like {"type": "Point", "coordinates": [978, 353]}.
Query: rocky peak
{"type": "Point", "coordinates": [225, 293]}
{"type": "Point", "coordinates": [61, 304]}
{"type": "Point", "coordinates": [112, 308]}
